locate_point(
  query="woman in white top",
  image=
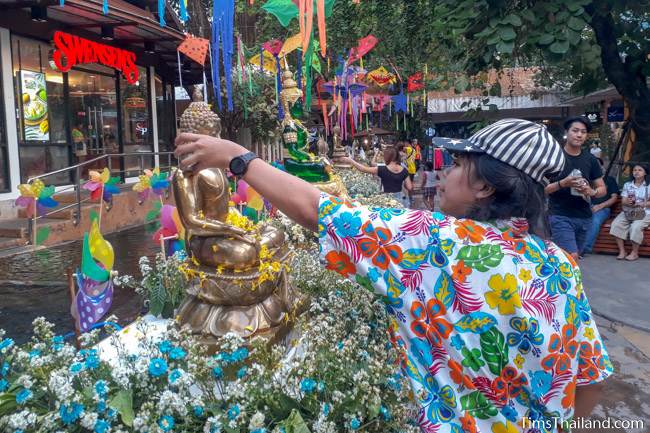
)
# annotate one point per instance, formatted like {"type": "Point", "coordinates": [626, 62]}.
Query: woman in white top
{"type": "Point", "coordinates": [635, 193]}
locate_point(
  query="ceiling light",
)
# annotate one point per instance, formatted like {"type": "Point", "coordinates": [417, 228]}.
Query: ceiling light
{"type": "Point", "coordinates": [39, 14]}
{"type": "Point", "coordinates": [108, 33]}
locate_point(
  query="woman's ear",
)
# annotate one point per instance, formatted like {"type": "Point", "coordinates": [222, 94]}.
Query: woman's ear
{"type": "Point", "coordinates": [485, 191]}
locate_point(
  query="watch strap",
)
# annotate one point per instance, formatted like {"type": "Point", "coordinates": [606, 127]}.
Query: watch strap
{"type": "Point", "coordinates": [246, 159]}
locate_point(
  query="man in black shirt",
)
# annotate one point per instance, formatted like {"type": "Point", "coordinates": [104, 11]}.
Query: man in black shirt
{"type": "Point", "coordinates": [601, 209]}
{"type": "Point", "coordinates": [570, 192]}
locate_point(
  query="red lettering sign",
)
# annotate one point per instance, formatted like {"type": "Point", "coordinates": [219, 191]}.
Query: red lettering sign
{"type": "Point", "coordinates": [73, 50]}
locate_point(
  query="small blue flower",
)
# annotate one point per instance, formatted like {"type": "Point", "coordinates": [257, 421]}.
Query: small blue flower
{"type": "Point", "coordinates": [218, 372]}
{"type": "Point", "coordinates": [91, 358]}
{"type": "Point", "coordinates": [177, 353]}
{"type": "Point", "coordinates": [3, 385]}
{"type": "Point", "coordinates": [101, 426]}
{"type": "Point", "coordinates": [242, 372]}
{"type": "Point", "coordinates": [321, 386]}
{"type": "Point", "coordinates": [111, 414]}
{"type": "Point", "coordinates": [326, 409]}
{"type": "Point", "coordinates": [6, 343]}
{"type": "Point", "coordinates": [307, 385]}
{"type": "Point", "coordinates": [34, 354]}
{"type": "Point", "coordinates": [374, 275]}
{"type": "Point", "coordinates": [340, 345]}
{"type": "Point", "coordinates": [166, 422]}
{"type": "Point", "coordinates": [5, 369]}
{"type": "Point", "coordinates": [101, 406]}
{"type": "Point", "coordinates": [101, 388]}
{"type": "Point", "coordinates": [240, 354]}
{"type": "Point", "coordinates": [198, 410]}
{"type": "Point", "coordinates": [457, 342]}
{"type": "Point", "coordinates": [259, 430]}
{"type": "Point", "coordinates": [157, 367]}
{"type": "Point", "coordinates": [509, 413]}
{"type": "Point", "coordinates": [23, 395]}
{"type": "Point", "coordinates": [233, 412]}
{"type": "Point", "coordinates": [355, 424]}
{"type": "Point", "coordinates": [165, 346]}
{"type": "Point", "coordinates": [19, 431]}
{"type": "Point", "coordinates": [71, 413]}
{"type": "Point", "coordinates": [76, 367]}
{"type": "Point", "coordinates": [174, 375]}
{"type": "Point", "coordinates": [385, 413]}
{"type": "Point", "coordinates": [222, 357]}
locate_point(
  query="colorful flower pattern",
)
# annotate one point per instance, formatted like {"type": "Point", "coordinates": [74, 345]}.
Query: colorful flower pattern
{"type": "Point", "coordinates": [492, 324]}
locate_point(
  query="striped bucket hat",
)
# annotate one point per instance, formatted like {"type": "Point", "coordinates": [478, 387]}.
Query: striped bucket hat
{"type": "Point", "coordinates": [522, 144]}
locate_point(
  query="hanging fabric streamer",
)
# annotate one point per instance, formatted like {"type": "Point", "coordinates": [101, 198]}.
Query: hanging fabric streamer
{"type": "Point", "coordinates": [278, 79]}
{"type": "Point", "coordinates": [322, 29]}
{"type": "Point", "coordinates": [205, 88]}
{"type": "Point", "coordinates": [161, 12]}
{"type": "Point", "coordinates": [183, 6]}
{"type": "Point", "coordinates": [105, 7]}
{"type": "Point", "coordinates": [61, 3]}
{"type": "Point", "coordinates": [299, 70]}
{"type": "Point", "coordinates": [180, 74]}
{"type": "Point", "coordinates": [223, 17]}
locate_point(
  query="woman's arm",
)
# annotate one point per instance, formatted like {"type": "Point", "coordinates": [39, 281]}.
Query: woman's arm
{"type": "Point", "coordinates": [292, 195]}
{"type": "Point", "coordinates": [408, 184]}
{"type": "Point", "coordinates": [360, 167]}
{"type": "Point", "coordinates": [587, 397]}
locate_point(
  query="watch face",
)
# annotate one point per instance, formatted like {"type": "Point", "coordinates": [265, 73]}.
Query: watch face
{"type": "Point", "coordinates": [237, 166]}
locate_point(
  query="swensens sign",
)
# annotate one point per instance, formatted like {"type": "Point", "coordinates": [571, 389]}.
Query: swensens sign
{"type": "Point", "coordinates": [72, 50]}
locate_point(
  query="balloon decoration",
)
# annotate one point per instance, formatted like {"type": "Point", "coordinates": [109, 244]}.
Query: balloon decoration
{"type": "Point", "coordinates": [95, 286]}
{"type": "Point", "coordinates": [250, 202]}
{"type": "Point", "coordinates": [171, 233]}
{"type": "Point", "coordinates": [102, 185]}
{"type": "Point", "coordinates": [35, 197]}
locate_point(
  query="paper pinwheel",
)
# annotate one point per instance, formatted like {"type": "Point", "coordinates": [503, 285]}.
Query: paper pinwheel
{"type": "Point", "coordinates": [102, 185]}
{"type": "Point", "coordinates": [151, 180]}
{"type": "Point", "coordinates": [95, 294]}
{"type": "Point", "coordinates": [35, 193]}
{"type": "Point", "coordinates": [170, 225]}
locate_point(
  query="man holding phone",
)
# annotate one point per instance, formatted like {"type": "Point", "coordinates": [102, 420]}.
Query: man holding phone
{"type": "Point", "coordinates": [571, 191]}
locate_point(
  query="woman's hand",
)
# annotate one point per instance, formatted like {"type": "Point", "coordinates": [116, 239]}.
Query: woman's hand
{"type": "Point", "coordinates": [196, 152]}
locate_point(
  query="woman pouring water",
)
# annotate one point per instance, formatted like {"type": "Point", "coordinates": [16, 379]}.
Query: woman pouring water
{"type": "Point", "coordinates": [479, 355]}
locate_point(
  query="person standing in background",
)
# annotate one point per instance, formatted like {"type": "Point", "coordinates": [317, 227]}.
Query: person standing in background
{"type": "Point", "coordinates": [571, 191]}
{"type": "Point", "coordinates": [601, 209]}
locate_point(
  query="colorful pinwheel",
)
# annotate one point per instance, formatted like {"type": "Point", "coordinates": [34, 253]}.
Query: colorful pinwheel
{"type": "Point", "coordinates": [102, 185]}
{"type": "Point", "coordinates": [171, 231]}
{"type": "Point", "coordinates": [35, 195]}
{"type": "Point", "coordinates": [95, 294]}
{"type": "Point", "coordinates": [151, 180]}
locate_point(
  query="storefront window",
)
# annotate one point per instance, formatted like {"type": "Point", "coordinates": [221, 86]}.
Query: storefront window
{"type": "Point", "coordinates": [136, 130]}
{"type": "Point", "coordinates": [41, 111]}
{"type": "Point", "coordinates": [166, 115]}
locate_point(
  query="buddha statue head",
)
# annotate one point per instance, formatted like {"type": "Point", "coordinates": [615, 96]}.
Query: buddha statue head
{"type": "Point", "coordinates": [198, 118]}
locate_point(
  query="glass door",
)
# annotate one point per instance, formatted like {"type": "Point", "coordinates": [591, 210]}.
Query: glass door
{"type": "Point", "coordinates": [93, 108]}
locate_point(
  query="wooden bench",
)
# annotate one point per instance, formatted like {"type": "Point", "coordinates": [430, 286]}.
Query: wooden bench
{"type": "Point", "coordinates": [606, 243]}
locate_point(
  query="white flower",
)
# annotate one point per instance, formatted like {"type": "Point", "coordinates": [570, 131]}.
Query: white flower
{"type": "Point", "coordinates": [257, 421]}
{"type": "Point", "coordinates": [88, 420]}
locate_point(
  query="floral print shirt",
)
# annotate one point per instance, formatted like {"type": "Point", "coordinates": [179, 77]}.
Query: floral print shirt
{"type": "Point", "coordinates": [492, 324]}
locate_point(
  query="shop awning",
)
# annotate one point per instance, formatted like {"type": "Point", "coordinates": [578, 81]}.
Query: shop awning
{"type": "Point", "coordinates": [128, 25]}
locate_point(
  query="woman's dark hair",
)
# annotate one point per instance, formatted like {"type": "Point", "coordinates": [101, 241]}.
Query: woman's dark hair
{"type": "Point", "coordinates": [644, 167]}
{"type": "Point", "coordinates": [391, 154]}
{"type": "Point", "coordinates": [516, 194]}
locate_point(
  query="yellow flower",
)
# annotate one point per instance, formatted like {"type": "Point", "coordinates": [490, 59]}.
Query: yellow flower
{"type": "Point", "coordinates": [508, 427]}
{"type": "Point", "coordinates": [519, 361]}
{"type": "Point", "coordinates": [589, 333]}
{"type": "Point", "coordinates": [524, 275]}
{"type": "Point", "coordinates": [504, 295]}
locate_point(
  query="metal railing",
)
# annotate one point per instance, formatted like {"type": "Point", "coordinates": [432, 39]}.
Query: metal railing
{"type": "Point", "coordinates": [93, 164]}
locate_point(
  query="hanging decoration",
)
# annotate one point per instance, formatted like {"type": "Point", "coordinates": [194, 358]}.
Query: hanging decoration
{"type": "Point", "coordinates": [162, 5]}
{"type": "Point", "coordinates": [101, 185]}
{"type": "Point", "coordinates": [400, 101]}
{"type": "Point", "coordinates": [171, 233]}
{"type": "Point", "coordinates": [183, 7]}
{"type": "Point", "coordinates": [95, 286]}
{"type": "Point", "coordinates": [381, 77]}
{"type": "Point", "coordinates": [35, 197]}
{"type": "Point", "coordinates": [195, 48]}
{"type": "Point", "coordinates": [105, 7]}
{"type": "Point", "coordinates": [223, 17]}
{"type": "Point", "coordinates": [415, 82]}
{"type": "Point", "coordinates": [363, 47]}
{"type": "Point", "coordinates": [274, 47]}
{"type": "Point", "coordinates": [268, 64]}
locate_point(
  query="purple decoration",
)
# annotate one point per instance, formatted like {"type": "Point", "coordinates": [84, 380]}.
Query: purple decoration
{"type": "Point", "coordinates": [223, 17]}
{"type": "Point", "coordinates": [299, 69]}
{"type": "Point", "coordinates": [278, 83]}
{"type": "Point", "coordinates": [93, 301]}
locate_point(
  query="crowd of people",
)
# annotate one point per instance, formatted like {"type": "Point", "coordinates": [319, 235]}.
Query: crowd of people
{"type": "Point", "coordinates": [580, 198]}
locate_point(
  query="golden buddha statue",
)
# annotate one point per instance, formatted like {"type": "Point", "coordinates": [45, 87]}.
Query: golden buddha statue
{"type": "Point", "coordinates": [238, 279]}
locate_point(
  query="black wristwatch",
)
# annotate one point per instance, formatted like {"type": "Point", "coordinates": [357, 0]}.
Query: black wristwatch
{"type": "Point", "coordinates": [239, 164]}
